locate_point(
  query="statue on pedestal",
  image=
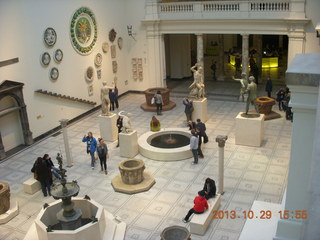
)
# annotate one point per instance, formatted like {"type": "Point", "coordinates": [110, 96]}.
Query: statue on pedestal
{"type": "Point", "coordinates": [126, 123]}
{"type": "Point", "coordinates": [252, 94]}
{"type": "Point", "coordinates": [244, 84]}
{"type": "Point", "coordinates": [197, 87]}
{"type": "Point", "coordinates": [105, 101]}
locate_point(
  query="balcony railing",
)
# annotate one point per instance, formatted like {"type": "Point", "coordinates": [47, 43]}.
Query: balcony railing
{"type": "Point", "coordinates": [241, 9]}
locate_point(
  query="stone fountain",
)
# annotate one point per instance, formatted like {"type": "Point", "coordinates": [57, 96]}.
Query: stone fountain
{"type": "Point", "coordinates": [74, 218]}
{"type": "Point", "coordinates": [149, 94]}
{"type": "Point", "coordinates": [132, 178]}
{"type": "Point", "coordinates": [8, 209]}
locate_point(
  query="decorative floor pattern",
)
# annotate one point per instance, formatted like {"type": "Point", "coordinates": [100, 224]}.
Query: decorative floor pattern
{"type": "Point", "coordinates": [251, 173]}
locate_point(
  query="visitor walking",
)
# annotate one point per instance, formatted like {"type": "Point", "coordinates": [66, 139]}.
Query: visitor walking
{"type": "Point", "coordinates": [119, 126]}
{"type": "Point", "coordinates": [198, 132]}
{"type": "Point", "coordinates": [116, 91]}
{"type": "Point", "coordinates": [200, 205]}
{"type": "Point", "coordinates": [159, 102]}
{"type": "Point", "coordinates": [188, 109]}
{"type": "Point", "coordinates": [91, 147]}
{"type": "Point", "coordinates": [194, 146]}
{"type": "Point", "coordinates": [269, 86]}
{"type": "Point", "coordinates": [112, 97]}
{"type": "Point", "coordinates": [103, 155]}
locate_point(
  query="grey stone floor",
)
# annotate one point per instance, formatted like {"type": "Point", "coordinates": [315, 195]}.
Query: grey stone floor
{"type": "Point", "coordinates": [251, 173]}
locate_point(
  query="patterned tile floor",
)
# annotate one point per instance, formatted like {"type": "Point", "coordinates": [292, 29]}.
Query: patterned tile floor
{"type": "Point", "coordinates": [251, 173]}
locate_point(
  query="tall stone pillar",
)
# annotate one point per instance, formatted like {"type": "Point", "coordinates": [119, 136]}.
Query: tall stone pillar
{"type": "Point", "coordinates": [296, 45]}
{"type": "Point", "coordinates": [221, 140]}
{"type": "Point", "coordinates": [2, 151]}
{"type": "Point", "coordinates": [64, 123]}
{"type": "Point", "coordinates": [257, 43]}
{"type": "Point", "coordinates": [245, 53]}
{"type": "Point", "coordinates": [220, 66]}
{"type": "Point", "coordinates": [302, 77]}
{"type": "Point", "coordinates": [200, 52]}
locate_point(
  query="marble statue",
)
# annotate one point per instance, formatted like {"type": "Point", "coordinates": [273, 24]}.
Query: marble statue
{"type": "Point", "coordinates": [244, 84]}
{"type": "Point", "coordinates": [126, 123]}
{"type": "Point", "coordinates": [197, 87]}
{"type": "Point", "coordinates": [252, 94]}
{"type": "Point", "coordinates": [105, 101]}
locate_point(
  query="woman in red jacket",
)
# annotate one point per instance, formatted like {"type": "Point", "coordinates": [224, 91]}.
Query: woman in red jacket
{"type": "Point", "coordinates": [200, 205]}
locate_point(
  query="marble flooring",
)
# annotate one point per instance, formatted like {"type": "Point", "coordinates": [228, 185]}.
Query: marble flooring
{"type": "Point", "coordinates": [251, 173]}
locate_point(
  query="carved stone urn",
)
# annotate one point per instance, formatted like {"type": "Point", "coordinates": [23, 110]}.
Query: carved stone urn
{"type": "Point", "coordinates": [175, 233]}
{"type": "Point", "coordinates": [4, 197]}
{"type": "Point", "coordinates": [131, 171]}
{"type": "Point", "coordinates": [265, 104]}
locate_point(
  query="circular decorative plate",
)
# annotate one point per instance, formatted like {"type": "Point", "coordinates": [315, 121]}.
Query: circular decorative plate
{"type": "Point", "coordinates": [89, 74]}
{"type": "Point", "coordinates": [120, 43]}
{"type": "Point", "coordinates": [98, 60]}
{"type": "Point", "coordinates": [58, 55]}
{"type": "Point", "coordinates": [105, 47]}
{"type": "Point", "coordinates": [83, 31]}
{"type": "Point", "coordinates": [112, 35]}
{"type": "Point", "coordinates": [45, 59]}
{"type": "Point", "coordinates": [50, 36]}
{"type": "Point", "coordinates": [54, 73]}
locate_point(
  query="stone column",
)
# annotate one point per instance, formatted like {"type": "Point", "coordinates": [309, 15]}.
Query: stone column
{"type": "Point", "coordinates": [64, 123]}
{"type": "Point", "coordinates": [221, 140]}
{"type": "Point", "coordinates": [245, 53]}
{"type": "Point", "coordinates": [200, 52]}
{"type": "Point", "coordinates": [2, 151]}
{"type": "Point", "coordinates": [220, 66]}
{"type": "Point", "coordinates": [257, 43]}
{"type": "Point", "coordinates": [303, 80]}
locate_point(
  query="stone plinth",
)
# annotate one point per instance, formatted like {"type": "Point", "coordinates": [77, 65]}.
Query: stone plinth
{"type": "Point", "coordinates": [200, 110]}
{"type": "Point", "coordinates": [176, 233]}
{"type": "Point", "coordinates": [249, 131]}
{"type": "Point", "coordinates": [108, 127]}
{"type": "Point", "coordinates": [149, 94]}
{"type": "Point", "coordinates": [106, 226]}
{"type": "Point", "coordinates": [265, 107]}
{"type": "Point", "coordinates": [31, 186]}
{"type": "Point", "coordinates": [10, 213]}
{"type": "Point", "coordinates": [4, 197]}
{"type": "Point", "coordinates": [131, 171]}
{"type": "Point", "coordinates": [128, 144]}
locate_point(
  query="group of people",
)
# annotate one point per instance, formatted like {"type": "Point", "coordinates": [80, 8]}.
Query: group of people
{"type": "Point", "coordinates": [100, 148]}
{"type": "Point", "coordinates": [198, 132]}
{"type": "Point", "coordinates": [283, 98]}
{"type": "Point", "coordinates": [43, 170]}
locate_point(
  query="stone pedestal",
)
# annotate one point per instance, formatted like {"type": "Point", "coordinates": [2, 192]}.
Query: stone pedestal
{"type": "Point", "coordinates": [249, 131]}
{"type": "Point", "coordinates": [200, 110]}
{"type": "Point", "coordinates": [4, 197]}
{"type": "Point", "coordinates": [108, 127]}
{"type": "Point", "coordinates": [128, 144]}
{"type": "Point", "coordinates": [64, 123]}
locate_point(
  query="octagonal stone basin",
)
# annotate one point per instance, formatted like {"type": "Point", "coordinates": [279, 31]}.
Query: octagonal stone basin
{"type": "Point", "coordinates": [150, 92]}
{"type": "Point", "coordinates": [90, 230]}
{"type": "Point", "coordinates": [164, 154]}
{"type": "Point", "coordinates": [131, 171]}
{"type": "Point", "coordinates": [4, 197]}
{"type": "Point", "coordinates": [175, 233]}
{"type": "Point", "coordinates": [265, 104]}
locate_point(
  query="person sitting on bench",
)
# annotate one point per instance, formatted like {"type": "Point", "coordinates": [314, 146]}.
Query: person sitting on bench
{"type": "Point", "coordinates": [209, 188]}
{"type": "Point", "coordinates": [200, 205]}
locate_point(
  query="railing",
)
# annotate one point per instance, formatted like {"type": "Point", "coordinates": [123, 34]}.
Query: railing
{"type": "Point", "coordinates": [270, 6]}
{"type": "Point", "coordinates": [57, 95]}
{"type": "Point", "coordinates": [180, 7]}
{"type": "Point", "coordinates": [222, 6]}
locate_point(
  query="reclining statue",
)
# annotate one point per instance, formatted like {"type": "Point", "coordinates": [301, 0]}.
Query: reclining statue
{"type": "Point", "coordinates": [126, 123]}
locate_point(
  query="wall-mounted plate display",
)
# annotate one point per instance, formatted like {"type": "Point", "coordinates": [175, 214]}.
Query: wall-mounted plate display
{"type": "Point", "coordinates": [54, 73]}
{"type": "Point", "coordinates": [113, 51]}
{"type": "Point", "coordinates": [112, 35]}
{"type": "Point", "coordinates": [50, 37]}
{"type": "Point", "coordinates": [114, 66]}
{"type": "Point", "coordinates": [45, 59]}
{"type": "Point", "coordinates": [98, 60]}
{"type": "Point", "coordinates": [90, 90]}
{"type": "Point", "coordinates": [105, 47]}
{"type": "Point", "coordinates": [120, 43]}
{"type": "Point", "coordinates": [83, 30]}
{"type": "Point", "coordinates": [58, 55]}
{"type": "Point", "coordinates": [89, 74]}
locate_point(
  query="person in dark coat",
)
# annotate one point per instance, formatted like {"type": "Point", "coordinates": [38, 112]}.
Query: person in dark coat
{"type": "Point", "coordinates": [116, 91]}
{"type": "Point", "coordinates": [119, 126]}
{"type": "Point", "coordinates": [188, 108]}
{"type": "Point", "coordinates": [54, 170]}
{"type": "Point", "coordinates": [102, 150]}
{"type": "Point", "coordinates": [191, 125]}
{"type": "Point", "coordinates": [198, 132]}
{"type": "Point", "coordinates": [44, 176]}
{"type": "Point", "coordinates": [269, 86]}
{"type": "Point", "coordinates": [209, 188]}
{"type": "Point", "coordinates": [113, 98]}
{"type": "Point", "coordinates": [202, 128]}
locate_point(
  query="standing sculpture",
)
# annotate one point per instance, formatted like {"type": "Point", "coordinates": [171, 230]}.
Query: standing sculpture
{"type": "Point", "coordinates": [252, 94]}
{"type": "Point", "coordinates": [126, 123]}
{"type": "Point", "coordinates": [105, 101]}
{"type": "Point", "coordinates": [244, 84]}
{"type": "Point", "coordinates": [197, 87]}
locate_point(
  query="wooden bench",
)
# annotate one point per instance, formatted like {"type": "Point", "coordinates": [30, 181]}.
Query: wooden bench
{"type": "Point", "coordinates": [31, 186]}
{"type": "Point", "coordinates": [200, 222]}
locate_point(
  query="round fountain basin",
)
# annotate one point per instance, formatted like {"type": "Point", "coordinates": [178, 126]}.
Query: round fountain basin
{"type": "Point", "coordinates": [174, 153]}
{"type": "Point", "coordinates": [170, 141]}
{"type": "Point", "coordinates": [4, 197]}
{"type": "Point", "coordinates": [131, 171]}
{"type": "Point", "coordinates": [175, 233]}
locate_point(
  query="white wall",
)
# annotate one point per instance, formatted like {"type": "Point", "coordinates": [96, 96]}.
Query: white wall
{"type": "Point", "coordinates": [312, 12]}
{"type": "Point", "coordinates": [22, 25]}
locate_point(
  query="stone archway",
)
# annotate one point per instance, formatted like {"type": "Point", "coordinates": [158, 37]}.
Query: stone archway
{"type": "Point", "coordinates": [14, 90]}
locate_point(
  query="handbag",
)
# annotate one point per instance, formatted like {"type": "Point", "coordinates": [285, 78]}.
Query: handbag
{"type": "Point", "coordinates": [152, 100]}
